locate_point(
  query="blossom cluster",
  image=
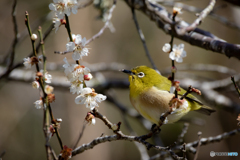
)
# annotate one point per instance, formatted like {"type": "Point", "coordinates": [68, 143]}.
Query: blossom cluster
{"type": "Point", "coordinates": [77, 75]}
{"type": "Point", "coordinates": [62, 7]}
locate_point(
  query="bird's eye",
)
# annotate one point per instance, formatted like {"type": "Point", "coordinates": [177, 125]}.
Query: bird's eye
{"type": "Point", "coordinates": [141, 74]}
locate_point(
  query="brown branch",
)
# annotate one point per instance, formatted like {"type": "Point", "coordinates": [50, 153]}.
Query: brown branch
{"type": "Point", "coordinates": [205, 141]}
{"type": "Point", "coordinates": [119, 136]}
{"type": "Point", "coordinates": [198, 37]}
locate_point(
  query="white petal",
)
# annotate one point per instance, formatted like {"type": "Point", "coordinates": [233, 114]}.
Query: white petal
{"type": "Point", "coordinates": [67, 11]}
{"type": "Point", "coordinates": [60, 14]}
{"type": "Point", "coordinates": [172, 89]}
{"type": "Point", "coordinates": [172, 55]}
{"type": "Point", "coordinates": [84, 40]}
{"type": "Point", "coordinates": [179, 59]}
{"type": "Point", "coordinates": [75, 9]}
{"type": "Point", "coordinates": [78, 39]}
{"type": "Point", "coordinates": [181, 46]}
{"type": "Point", "coordinates": [80, 77]}
{"type": "Point", "coordinates": [93, 104]}
{"type": "Point", "coordinates": [80, 99]}
{"type": "Point", "coordinates": [52, 7]}
{"type": "Point", "coordinates": [184, 54]}
{"type": "Point", "coordinates": [93, 121]}
{"type": "Point", "coordinates": [86, 70]}
{"type": "Point", "coordinates": [70, 46]}
{"type": "Point", "coordinates": [84, 52]}
{"type": "Point", "coordinates": [86, 90]}
{"type": "Point", "coordinates": [100, 97]}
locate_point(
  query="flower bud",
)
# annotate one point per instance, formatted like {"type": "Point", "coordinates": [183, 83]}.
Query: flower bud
{"type": "Point", "coordinates": [88, 77]}
{"type": "Point", "coordinates": [33, 37]}
{"type": "Point", "coordinates": [166, 48]}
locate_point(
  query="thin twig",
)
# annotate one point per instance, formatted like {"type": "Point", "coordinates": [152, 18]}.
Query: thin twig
{"type": "Point", "coordinates": [20, 64]}
{"type": "Point", "coordinates": [105, 25]}
{"type": "Point", "coordinates": [80, 135]}
{"type": "Point", "coordinates": [199, 144]}
{"type": "Point", "coordinates": [62, 53]}
{"type": "Point", "coordinates": [141, 35]}
{"type": "Point", "coordinates": [184, 151]}
{"type": "Point", "coordinates": [200, 18]}
{"type": "Point", "coordinates": [186, 93]}
{"type": "Point", "coordinates": [235, 85]}
{"type": "Point", "coordinates": [184, 131]}
{"type": "Point", "coordinates": [15, 34]}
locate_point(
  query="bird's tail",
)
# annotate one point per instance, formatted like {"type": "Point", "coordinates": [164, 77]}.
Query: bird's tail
{"type": "Point", "coordinates": [206, 110]}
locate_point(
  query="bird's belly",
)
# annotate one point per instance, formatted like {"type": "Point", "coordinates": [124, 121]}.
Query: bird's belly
{"type": "Point", "coordinates": [152, 109]}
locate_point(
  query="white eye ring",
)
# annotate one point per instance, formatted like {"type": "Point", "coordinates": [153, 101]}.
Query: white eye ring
{"type": "Point", "coordinates": [141, 74]}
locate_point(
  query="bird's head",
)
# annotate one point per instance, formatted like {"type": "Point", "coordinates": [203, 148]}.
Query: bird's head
{"type": "Point", "coordinates": [143, 76]}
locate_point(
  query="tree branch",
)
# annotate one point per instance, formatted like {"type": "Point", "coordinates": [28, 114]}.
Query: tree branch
{"type": "Point", "coordinates": [197, 37]}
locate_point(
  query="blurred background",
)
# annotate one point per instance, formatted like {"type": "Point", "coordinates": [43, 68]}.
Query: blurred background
{"type": "Point", "coordinates": [21, 134]}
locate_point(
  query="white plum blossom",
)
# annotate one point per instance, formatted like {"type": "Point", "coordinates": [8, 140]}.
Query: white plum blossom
{"type": "Point", "coordinates": [76, 88]}
{"type": "Point", "coordinates": [62, 7]}
{"type": "Point", "coordinates": [47, 76]}
{"type": "Point", "coordinates": [35, 84]}
{"type": "Point", "coordinates": [27, 62]}
{"type": "Point", "coordinates": [75, 72]}
{"type": "Point", "coordinates": [30, 61]}
{"type": "Point", "coordinates": [38, 104]}
{"type": "Point", "coordinates": [178, 53]}
{"type": "Point", "coordinates": [89, 98]}
{"type": "Point", "coordinates": [77, 47]}
{"type": "Point", "coordinates": [166, 48]}
{"type": "Point", "coordinates": [57, 23]}
{"type": "Point", "coordinates": [48, 89]}
{"type": "Point", "coordinates": [69, 68]}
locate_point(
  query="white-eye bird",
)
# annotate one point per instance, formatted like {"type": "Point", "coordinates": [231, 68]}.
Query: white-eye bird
{"type": "Point", "coordinates": [150, 95]}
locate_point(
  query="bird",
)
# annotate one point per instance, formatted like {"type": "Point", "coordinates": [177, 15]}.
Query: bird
{"type": "Point", "coordinates": [150, 95]}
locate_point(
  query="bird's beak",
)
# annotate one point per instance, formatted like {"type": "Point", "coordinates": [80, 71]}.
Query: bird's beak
{"type": "Point", "coordinates": [127, 71]}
